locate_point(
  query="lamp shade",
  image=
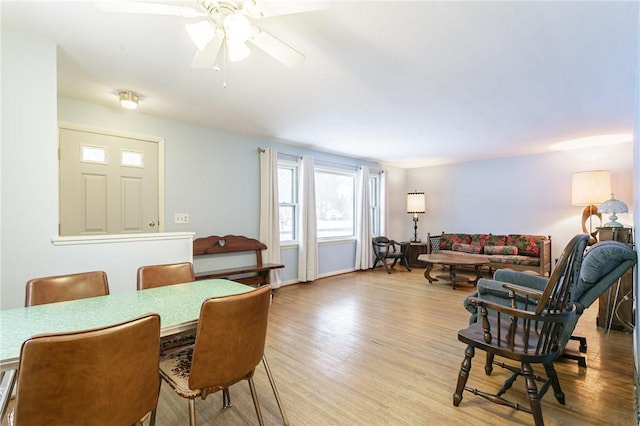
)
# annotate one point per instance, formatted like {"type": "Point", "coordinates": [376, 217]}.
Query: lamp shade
{"type": "Point", "coordinates": [592, 187]}
{"type": "Point", "coordinates": [415, 202]}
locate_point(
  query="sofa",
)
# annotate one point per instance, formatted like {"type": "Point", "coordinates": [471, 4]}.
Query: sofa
{"type": "Point", "coordinates": [520, 252]}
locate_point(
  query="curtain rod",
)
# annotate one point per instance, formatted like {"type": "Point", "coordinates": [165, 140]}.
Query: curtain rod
{"type": "Point", "coordinates": [323, 162]}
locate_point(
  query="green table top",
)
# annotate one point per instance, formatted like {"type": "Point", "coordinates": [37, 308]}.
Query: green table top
{"type": "Point", "coordinates": [178, 306]}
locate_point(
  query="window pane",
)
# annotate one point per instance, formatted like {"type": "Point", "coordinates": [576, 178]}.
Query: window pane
{"type": "Point", "coordinates": [287, 223]}
{"type": "Point", "coordinates": [285, 185]}
{"type": "Point", "coordinates": [93, 154]}
{"type": "Point", "coordinates": [131, 158]}
{"type": "Point", "coordinates": [335, 204]}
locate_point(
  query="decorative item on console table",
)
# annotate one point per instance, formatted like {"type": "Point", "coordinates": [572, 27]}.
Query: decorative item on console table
{"type": "Point", "coordinates": [615, 307]}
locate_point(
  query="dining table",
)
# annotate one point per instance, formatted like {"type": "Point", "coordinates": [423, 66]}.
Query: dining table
{"type": "Point", "coordinates": [178, 306]}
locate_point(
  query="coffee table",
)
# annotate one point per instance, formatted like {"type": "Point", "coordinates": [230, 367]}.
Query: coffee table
{"type": "Point", "coordinates": [453, 261]}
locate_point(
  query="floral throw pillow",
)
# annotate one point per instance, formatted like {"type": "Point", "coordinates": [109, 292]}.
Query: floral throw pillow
{"type": "Point", "coordinates": [528, 245]}
{"type": "Point", "coordinates": [448, 240]}
{"type": "Point", "coordinates": [503, 250]}
{"type": "Point", "coordinates": [466, 248]}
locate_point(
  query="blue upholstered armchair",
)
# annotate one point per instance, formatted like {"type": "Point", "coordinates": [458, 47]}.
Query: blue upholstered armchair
{"type": "Point", "coordinates": [603, 264]}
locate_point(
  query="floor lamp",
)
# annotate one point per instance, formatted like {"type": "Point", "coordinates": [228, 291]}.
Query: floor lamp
{"type": "Point", "coordinates": [415, 205]}
{"type": "Point", "coordinates": [590, 189]}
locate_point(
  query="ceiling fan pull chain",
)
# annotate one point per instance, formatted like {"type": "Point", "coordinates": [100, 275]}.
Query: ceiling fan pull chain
{"type": "Point", "coordinates": [224, 66]}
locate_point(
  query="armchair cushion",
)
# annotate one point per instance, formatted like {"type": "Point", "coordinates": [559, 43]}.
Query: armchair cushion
{"type": "Point", "coordinates": [494, 291]}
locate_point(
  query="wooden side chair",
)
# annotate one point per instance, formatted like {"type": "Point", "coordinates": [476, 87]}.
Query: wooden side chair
{"type": "Point", "coordinates": [230, 343]}
{"type": "Point", "coordinates": [532, 334]}
{"type": "Point", "coordinates": [61, 288]}
{"type": "Point", "coordinates": [384, 248]}
{"type": "Point", "coordinates": [152, 276]}
{"type": "Point", "coordinates": [104, 376]}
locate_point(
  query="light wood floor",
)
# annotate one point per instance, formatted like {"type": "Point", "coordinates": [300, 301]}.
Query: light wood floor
{"type": "Point", "coordinates": [369, 348]}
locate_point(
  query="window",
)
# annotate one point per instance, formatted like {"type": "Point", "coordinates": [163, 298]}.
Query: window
{"type": "Point", "coordinates": [335, 208]}
{"type": "Point", "coordinates": [288, 199]}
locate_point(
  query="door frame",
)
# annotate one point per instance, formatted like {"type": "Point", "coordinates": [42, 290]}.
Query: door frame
{"type": "Point", "coordinates": [110, 132]}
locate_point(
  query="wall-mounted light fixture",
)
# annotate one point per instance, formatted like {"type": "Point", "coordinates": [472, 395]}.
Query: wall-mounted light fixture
{"type": "Point", "coordinates": [129, 100]}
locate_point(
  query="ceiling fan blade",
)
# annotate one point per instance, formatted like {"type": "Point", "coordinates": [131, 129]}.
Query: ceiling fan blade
{"type": "Point", "coordinates": [276, 48]}
{"type": "Point", "coordinates": [206, 58]}
{"type": "Point", "coordinates": [125, 6]}
{"type": "Point", "coordinates": [266, 8]}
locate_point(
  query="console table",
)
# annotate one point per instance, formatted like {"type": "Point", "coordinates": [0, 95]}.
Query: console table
{"type": "Point", "coordinates": [415, 250]}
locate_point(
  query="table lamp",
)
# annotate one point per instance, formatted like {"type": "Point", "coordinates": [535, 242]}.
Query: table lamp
{"type": "Point", "coordinates": [590, 189]}
{"type": "Point", "coordinates": [613, 206]}
{"type": "Point", "coordinates": [415, 205]}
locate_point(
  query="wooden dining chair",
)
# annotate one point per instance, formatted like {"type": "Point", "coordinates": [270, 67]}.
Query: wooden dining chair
{"type": "Point", "coordinates": [529, 334]}
{"type": "Point", "coordinates": [152, 276]}
{"type": "Point", "coordinates": [104, 376]}
{"type": "Point", "coordinates": [230, 343]}
{"type": "Point", "coordinates": [61, 288]}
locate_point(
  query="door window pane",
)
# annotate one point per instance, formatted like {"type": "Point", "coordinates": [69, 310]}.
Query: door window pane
{"type": "Point", "coordinates": [93, 154]}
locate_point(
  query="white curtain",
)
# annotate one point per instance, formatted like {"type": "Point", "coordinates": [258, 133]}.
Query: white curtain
{"type": "Point", "coordinates": [307, 235]}
{"type": "Point", "coordinates": [363, 221]}
{"type": "Point", "coordinates": [269, 210]}
{"type": "Point", "coordinates": [384, 205]}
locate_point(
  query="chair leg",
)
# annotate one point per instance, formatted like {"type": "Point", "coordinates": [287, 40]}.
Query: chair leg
{"type": "Point", "coordinates": [256, 404]}
{"type": "Point", "coordinates": [532, 393]}
{"type": "Point", "coordinates": [226, 398]}
{"type": "Point", "coordinates": [463, 376]}
{"type": "Point", "coordinates": [386, 266]}
{"type": "Point", "coordinates": [555, 383]}
{"type": "Point", "coordinates": [488, 364]}
{"type": "Point", "coordinates": [405, 262]}
{"type": "Point", "coordinates": [275, 391]}
{"type": "Point", "coordinates": [192, 412]}
{"type": "Point", "coordinates": [375, 262]}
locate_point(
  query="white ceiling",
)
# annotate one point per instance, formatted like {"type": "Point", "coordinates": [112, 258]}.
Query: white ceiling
{"type": "Point", "coordinates": [405, 83]}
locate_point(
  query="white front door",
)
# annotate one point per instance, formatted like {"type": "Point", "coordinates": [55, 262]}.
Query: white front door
{"type": "Point", "coordinates": [108, 183]}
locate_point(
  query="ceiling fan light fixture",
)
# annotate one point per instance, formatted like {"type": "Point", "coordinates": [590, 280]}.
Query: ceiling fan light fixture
{"type": "Point", "coordinates": [238, 50]}
{"type": "Point", "coordinates": [201, 33]}
{"type": "Point", "coordinates": [129, 100]}
{"type": "Point", "coordinates": [237, 27]}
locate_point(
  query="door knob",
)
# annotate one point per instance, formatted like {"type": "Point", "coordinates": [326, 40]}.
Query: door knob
{"type": "Point", "coordinates": [152, 223]}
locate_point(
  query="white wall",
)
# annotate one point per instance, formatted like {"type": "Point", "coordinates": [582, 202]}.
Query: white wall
{"type": "Point", "coordinates": [529, 194]}
{"type": "Point", "coordinates": [212, 175]}
{"type": "Point", "coordinates": [29, 176]}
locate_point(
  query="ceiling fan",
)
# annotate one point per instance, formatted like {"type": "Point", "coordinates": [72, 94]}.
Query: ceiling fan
{"type": "Point", "coordinates": [228, 21]}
